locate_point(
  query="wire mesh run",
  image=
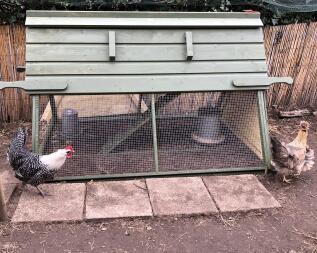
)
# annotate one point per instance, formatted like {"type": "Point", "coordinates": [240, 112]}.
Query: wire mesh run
{"type": "Point", "coordinates": [113, 134]}
{"type": "Point", "coordinates": [209, 131]}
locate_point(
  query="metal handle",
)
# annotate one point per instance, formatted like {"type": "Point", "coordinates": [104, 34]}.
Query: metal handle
{"type": "Point", "coordinates": [189, 45]}
{"type": "Point", "coordinates": [112, 45]}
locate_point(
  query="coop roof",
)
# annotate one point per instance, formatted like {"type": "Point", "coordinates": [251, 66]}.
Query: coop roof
{"type": "Point", "coordinates": [97, 52]}
{"type": "Point", "coordinates": [141, 19]}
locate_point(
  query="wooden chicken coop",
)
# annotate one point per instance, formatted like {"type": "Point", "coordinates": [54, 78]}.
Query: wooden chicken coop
{"type": "Point", "coordinates": [144, 93]}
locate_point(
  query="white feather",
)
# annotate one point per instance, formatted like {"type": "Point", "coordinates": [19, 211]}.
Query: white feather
{"type": "Point", "coordinates": [55, 160]}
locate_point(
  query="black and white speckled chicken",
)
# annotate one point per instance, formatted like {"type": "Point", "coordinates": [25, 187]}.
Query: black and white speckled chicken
{"type": "Point", "coordinates": [31, 168]}
{"type": "Point", "coordinates": [293, 158]}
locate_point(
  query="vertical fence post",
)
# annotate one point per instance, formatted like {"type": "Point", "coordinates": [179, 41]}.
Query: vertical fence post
{"type": "Point", "coordinates": [3, 209]}
{"type": "Point", "coordinates": [155, 149]}
{"type": "Point", "coordinates": [35, 122]}
{"type": "Point", "coordinates": [264, 130]}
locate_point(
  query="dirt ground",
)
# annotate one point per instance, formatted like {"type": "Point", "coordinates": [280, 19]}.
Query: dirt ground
{"type": "Point", "coordinates": [293, 228]}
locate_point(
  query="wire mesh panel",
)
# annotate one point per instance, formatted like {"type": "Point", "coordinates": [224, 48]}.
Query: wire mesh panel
{"type": "Point", "coordinates": [209, 131]}
{"type": "Point", "coordinates": [111, 134]}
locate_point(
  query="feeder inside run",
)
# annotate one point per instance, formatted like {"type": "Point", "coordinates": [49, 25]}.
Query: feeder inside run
{"type": "Point", "coordinates": [139, 93]}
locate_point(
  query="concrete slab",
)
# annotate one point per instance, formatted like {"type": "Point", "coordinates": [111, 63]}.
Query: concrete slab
{"type": "Point", "coordinates": [8, 182]}
{"type": "Point", "coordinates": [239, 193]}
{"type": "Point", "coordinates": [177, 196]}
{"type": "Point", "coordinates": [115, 199]}
{"type": "Point", "coordinates": [8, 189]}
{"type": "Point", "coordinates": [66, 203]}
{"type": "Point", "coordinates": [7, 177]}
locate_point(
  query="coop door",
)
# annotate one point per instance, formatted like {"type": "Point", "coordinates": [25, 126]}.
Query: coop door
{"type": "Point", "coordinates": [145, 134]}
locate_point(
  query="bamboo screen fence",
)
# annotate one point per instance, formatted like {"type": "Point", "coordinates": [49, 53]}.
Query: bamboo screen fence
{"type": "Point", "coordinates": [291, 51]}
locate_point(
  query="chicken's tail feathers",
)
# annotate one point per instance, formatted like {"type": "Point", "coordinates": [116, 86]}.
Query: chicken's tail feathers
{"type": "Point", "coordinates": [275, 142]}
{"type": "Point", "coordinates": [277, 147]}
{"type": "Point", "coordinates": [309, 160]}
{"type": "Point", "coordinates": [17, 143]}
{"type": "Point", "coordinates": [279, 154]}
{"type": "Point", "coordinates": [20, 138]}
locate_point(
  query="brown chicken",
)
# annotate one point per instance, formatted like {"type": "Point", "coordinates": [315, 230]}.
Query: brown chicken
{"type": "Point", "coordinates": [292, 159]}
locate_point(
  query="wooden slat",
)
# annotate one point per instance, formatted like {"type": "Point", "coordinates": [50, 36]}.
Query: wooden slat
{"type": "Point", "coordinates": [29, 86]}
{"type": "Point", "coordinates": [141, 22]}
{"type": "Point", "coordinates": [189, 45]}
{"type": "Point", "coordinates": [143, 14]}
{"type": "Point", "coordinates": [157, 36]}
{"type": "Point", "coordinates": [59, 52]}
{"type": "Point", "coordinates": [81, 68]}
{"type": "Point", "coordinates": [147, 83]}
{"type": "Point", "coordinates": [142, 19]}
{"type": "Point", "coordinates": [112, 45]}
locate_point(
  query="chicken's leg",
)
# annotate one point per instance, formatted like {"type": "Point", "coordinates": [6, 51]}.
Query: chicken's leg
{"type": "Point", "coordinates": [43, 194]}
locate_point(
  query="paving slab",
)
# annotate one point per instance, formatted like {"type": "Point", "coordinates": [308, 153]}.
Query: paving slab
{"type": "Point", "coordinates": [8, 182]}
{"type": "Point", "coordinates": [239, 193]}
{"type": "Point", "coordinates": [179, 196]}
{"type": "Point", "coordinates": [113, 199]}
{"type": "Point", "coordinates": [65, 203]}
{"type": "Point", "coordinates": [8, 189]}
{"type": "Point", "coordinates": [7, 177]}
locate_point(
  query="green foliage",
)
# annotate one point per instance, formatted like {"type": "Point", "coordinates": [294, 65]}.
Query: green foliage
{"type": "Point", "coordinates": [13, 11]}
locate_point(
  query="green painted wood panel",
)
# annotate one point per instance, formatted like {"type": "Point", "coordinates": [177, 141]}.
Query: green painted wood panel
{"type": "Point", "coordinates": [112, 45]}
{"type": "Point", "coordinates": [87, 52]}
{"type": "Point", "coordinates": [189, 46]}
{"type": "Point", "coordinates": [141, 19]}
{"type": "Point", "coordinates": [149, 83]}
{"type": "Point", "coordinates": [144, 14]}
{"type": "Point", "coordinates": [27, 85]}
{"type": "Point", "coordinates": [136, 36]}
{"type": "Point", "coordinates": [108, 68]}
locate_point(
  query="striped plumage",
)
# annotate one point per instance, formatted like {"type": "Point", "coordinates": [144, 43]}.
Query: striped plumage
{"type": "Point", "coordinates": [31, 168]}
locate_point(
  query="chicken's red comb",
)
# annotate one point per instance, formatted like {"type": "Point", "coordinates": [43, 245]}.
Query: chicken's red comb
{"type": "Point", "coordinates": [69, 147]}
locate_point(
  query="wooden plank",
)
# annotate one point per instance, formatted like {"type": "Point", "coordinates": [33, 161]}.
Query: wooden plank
{"type": "Point", "coordinates": [137, 36]}
{"type": "Point", "coordinates": [270, 80]}
{"type": "Point", "coordinates": [243, 106]}
{"type": "Point", "coordinates": [141, 22]}
{"type": "Point", "coordinates": [189, 45]}
{"type": "Point", "coordinates": [112, 45]}
{"type": "Point", "coordinates": [98, 68]}
{"type": "Point", "coordinates": [144, 14]}
{"type": "Point", "coordinates": [28, 86]}
{"type": "Point", "coordinates": [59, 52]}
{"type": "Point", "coordinates": [147, 83]}
{"type": "Point", "coordinates": [47, 114]}
{"type": "Point", "coordinates": [295, 113]}
{"type": "Point", "coordinates": [142, 19]}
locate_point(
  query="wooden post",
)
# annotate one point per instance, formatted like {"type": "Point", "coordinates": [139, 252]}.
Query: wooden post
{"type": "Point", "coordinates": [3, 209]}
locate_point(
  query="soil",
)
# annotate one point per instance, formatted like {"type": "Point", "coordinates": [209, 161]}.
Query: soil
{"type": "Point", "coordinates": [292, 228]}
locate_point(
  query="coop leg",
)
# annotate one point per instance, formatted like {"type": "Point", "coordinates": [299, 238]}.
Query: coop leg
{"type": "Point", "coordinates": [264, 132]}
{"type": "Point", "coordinates": [35, 123]}
{"type": "Point", "coordinates": [154, 133]}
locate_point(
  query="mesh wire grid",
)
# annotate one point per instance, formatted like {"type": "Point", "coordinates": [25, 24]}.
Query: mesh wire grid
{"type": "Point", "coordinates": [113, 134]}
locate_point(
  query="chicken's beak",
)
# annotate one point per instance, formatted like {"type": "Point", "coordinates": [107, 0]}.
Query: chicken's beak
{"type": "Point", "coordinates": [70, 154]}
